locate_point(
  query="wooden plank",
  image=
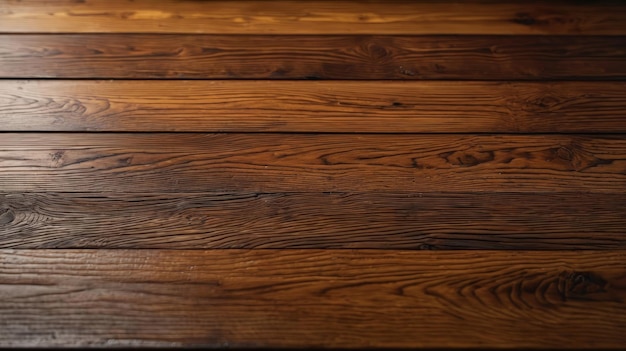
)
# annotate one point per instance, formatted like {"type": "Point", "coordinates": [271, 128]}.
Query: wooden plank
{"type": "Point", "coordinates": [313, 106]}
{"type": "Point", "coordinates": [314, 17]}
{"type": "Point", "coordinates": [312, 57]}
{"type": "Point", "coordinates": [312, 298]}
{"type": "Point", "coordinates": [190, 162]}
{"type": "Point", "coordinates": [430, 221]}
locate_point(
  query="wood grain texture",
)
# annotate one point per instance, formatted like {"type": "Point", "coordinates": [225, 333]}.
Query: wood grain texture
{"type": "Point", "coordinates": [311, 163]}
{"type": "Point", "coordinates": [330, 298]}
{"type": "Point", "coordinates": [312, 57]}
{"type": "Point", "coordinates": [168, 178]}
{"type": "Point", "coordinates": [312, 106]}
{"type": "Point", "coordinates": [313, 220]}
{"type": "Point", "coordinates": [314, 17]}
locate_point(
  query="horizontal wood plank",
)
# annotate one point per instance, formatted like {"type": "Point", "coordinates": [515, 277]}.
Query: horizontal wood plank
{"type": "Point", "coordinates": [312, 106]}
{"type": "Point", "coordinates": [429, 221]}
{"type": "Point", "coordinates": [314, 17]}
{"type": "Point", "coordinates": [312, 57]}
{"type": "Point", "coordinates": [189, 162]}
{"type": "Point", "coordinates": [336, 298]}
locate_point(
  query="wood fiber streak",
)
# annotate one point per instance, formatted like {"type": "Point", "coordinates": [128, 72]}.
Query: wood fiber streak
{"type": "Point", "coordinates": [312, 57]}
{"type": "Point", "coordinates": [312, 106]}
{"type": "Point", "coordinates": [83, 162]}
{"type": "Point", "coordinates": [330, 298]}
{"type": "Point", "coordinates": [313, 220]}
{"type": "Point", "coordinates": [314, 17]}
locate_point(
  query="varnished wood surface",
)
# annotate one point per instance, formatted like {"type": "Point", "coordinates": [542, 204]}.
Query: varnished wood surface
{"type": "Point", "coordinates": [312, 106]}
{"type": "Point", "coordinates": [331, 298]}
{"type": "Point", "coordinates": [425, 221]}
{"type": "Point", "coordinates": [312, 57]}
{"type": "Point", "coordinates": [314, 17]}
{"type": "Point", "coordinates": [300, 174]}
{"type": "Point", "coordinates": [311, 162]}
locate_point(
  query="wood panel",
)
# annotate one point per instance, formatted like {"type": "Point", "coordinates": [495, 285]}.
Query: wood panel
{"type": "Point", "coordinates": [168, 178]}
{"type": "Point", "coordinates": [287, 298]}
{"type": "Point", "coordinates": [313, 220]}
{"type": "Point", "coordinates": [311, 163]}
{"type": "Point", "coordinates": [312, 57]}
{"type": "Point", "coordinates": [314, 17]}
{"type": "Point", "coordinates": [312, 106]}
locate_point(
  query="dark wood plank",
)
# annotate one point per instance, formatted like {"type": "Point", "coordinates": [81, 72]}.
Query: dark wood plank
{"type": "Point", "coordinates": [312, 106]}
{"type": "Point", "coordinates": [317, 57]}
{"type": "Point", "coordinates": [311, 163]}
{"type": "Point", "coordinates": [311, 298]}
{"type": "Point", "coordinates": [313, 220]}
{"type": "Point", "coordinates": [314, 17]}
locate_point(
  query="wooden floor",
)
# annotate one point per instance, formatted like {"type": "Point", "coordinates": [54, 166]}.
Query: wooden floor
{"type": "Point", "coordinates": [333, 174]}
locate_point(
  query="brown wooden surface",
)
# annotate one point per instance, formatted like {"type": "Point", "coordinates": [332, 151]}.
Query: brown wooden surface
{"type": "Point", "coordinates": [313, 220]}
{"type": "Point", "coordinates": [312, 106]}
{"type": "Point", "coordinates": [331, 298]}
{"type": "Point", "coordinates": [314, 17]}
{"type": "Point", "coordinates": [172, 174]}
{"type": "Point", "coordinates": [312, 57]}
{"type": "Point", "coordinates": [311, 162]}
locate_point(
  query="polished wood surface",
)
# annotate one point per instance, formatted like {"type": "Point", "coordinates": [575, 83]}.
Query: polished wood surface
{"type": "Point", "coordinates": [430, 221]}
{"type": "Point", "coordinates": [191, 162]}
{"type": "Point", "coordinates": [312, 298]}
{"type": "Point", "coordinates": [315, 17]}
{"type": "Point", "coordinates": [312, 106]}
{"type": "Point", "coordinates": [312, 57]}
{"type": "Point", "coordinates": [313, 174]}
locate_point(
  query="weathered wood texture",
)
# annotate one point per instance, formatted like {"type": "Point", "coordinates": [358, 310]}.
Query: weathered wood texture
{"type": "Point", "coordinates": [152, 131]}
{"type": "Point", "coordinates": [313, 220]}
{"type": "Point", "coordinates": [311, 163]}
{"type": "Point", "coordinates": [332, 298]}
{"type": "Point", "coordinates": [312, 106]}
{"type": "Point", "coordinates": [312, 57]}
{"type": "Point", "coordinates": [314, 17]}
